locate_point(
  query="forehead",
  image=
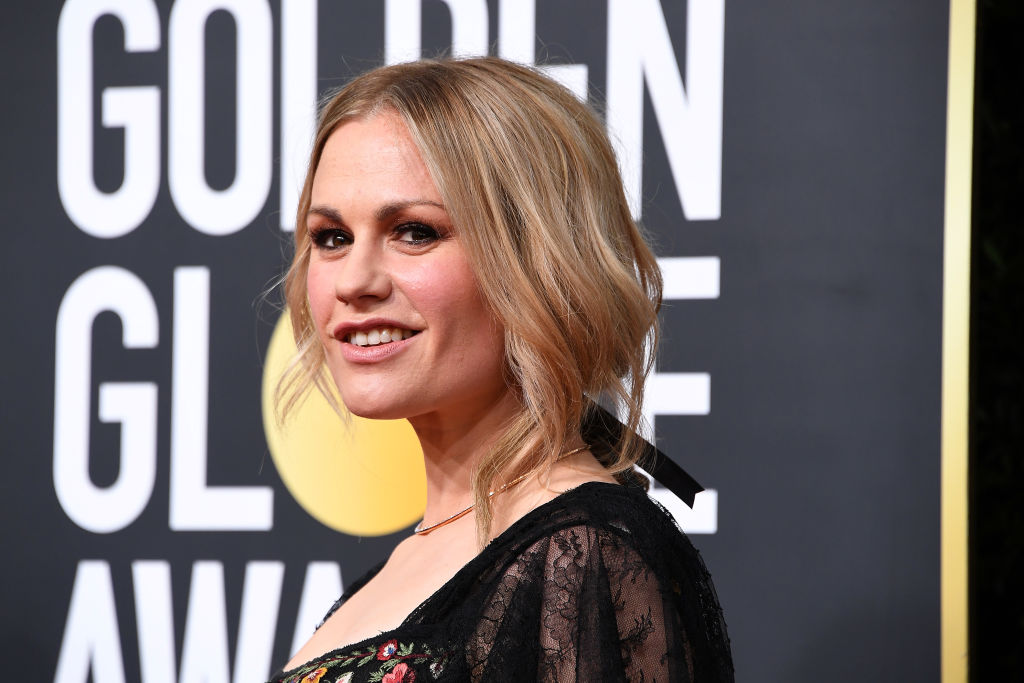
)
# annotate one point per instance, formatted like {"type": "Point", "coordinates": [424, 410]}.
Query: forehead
{"type": "Point", "coordinates": [372, 157]}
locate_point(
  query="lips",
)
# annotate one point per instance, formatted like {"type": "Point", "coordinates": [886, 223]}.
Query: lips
{"type": "Point", "coordinates": [377, 336]}
{"type": "Point", "coordinates": [372, 334]}
{"type": "Point", "coordinates": [366, 346]}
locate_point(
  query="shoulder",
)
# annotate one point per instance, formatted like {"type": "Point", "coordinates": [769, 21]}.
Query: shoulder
{"type": "Point", "coordinates": [624, 513]}
{"type": "Point", "coordinates": [608, 527]}
{"type": "Point", "coordinates": [613, 582]}
{"type": "Point", "coordinates": [617, 536]}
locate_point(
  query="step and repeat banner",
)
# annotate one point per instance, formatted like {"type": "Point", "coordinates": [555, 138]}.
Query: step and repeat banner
{"type": "Point", "coordinates": [788, 159]}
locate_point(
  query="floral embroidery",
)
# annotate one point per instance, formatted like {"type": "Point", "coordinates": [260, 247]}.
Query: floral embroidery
{"type": "Point", "coordinates": [400, 674]}
{"type": "Point", "coordinates": [390, 662]}
{"type": "Point", "coordinates": [314, 676]}
{"type": "Point", "coordinates": [387, 650]}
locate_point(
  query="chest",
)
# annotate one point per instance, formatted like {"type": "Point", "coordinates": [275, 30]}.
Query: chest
{"type": "Point", "coordinates": [393, 659]}
{"type": "Point", "coordinates": [410, 577]}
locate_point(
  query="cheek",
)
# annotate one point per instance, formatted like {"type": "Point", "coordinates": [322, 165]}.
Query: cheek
{"type": "Point", "coordinates": [447, 294]}
{"type": "Point", "coordinates": [472, 332]}
{"type": "Point", "coordinates": [320, 293]}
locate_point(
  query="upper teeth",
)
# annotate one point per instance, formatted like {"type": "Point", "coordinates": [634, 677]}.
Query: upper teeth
{"type": "Point", "coordinates": [378, 336]}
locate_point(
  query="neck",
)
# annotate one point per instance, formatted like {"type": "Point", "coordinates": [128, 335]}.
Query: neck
{"type": "Point", "coordinates": [453, 445]}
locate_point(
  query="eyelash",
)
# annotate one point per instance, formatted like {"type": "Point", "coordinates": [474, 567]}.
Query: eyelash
{"type": "Point", "coordinates": [407, 228]}
{"type": "Point", "coordinates": [320, 236]}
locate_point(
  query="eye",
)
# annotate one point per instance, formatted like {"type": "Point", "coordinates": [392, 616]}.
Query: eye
{"type": "Point", "coordinates": [329, 238]}
{"type": "Point", "coordinates": [416, 233]}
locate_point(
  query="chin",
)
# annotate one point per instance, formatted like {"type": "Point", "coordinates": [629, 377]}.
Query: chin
{"type": "Point", "coordinates": [368, 399]}
{"type": "Point", "coordinates": [375, 413]}
{"type": "Point", "coordinates": [376, 407]}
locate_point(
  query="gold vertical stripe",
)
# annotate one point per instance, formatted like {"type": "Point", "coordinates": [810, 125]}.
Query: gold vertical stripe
{"type": "Point", "coordinates": [955, 339]}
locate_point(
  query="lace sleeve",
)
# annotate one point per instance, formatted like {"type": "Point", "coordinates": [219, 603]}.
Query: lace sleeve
{"type": "Point", "coordinates": [593, 604]}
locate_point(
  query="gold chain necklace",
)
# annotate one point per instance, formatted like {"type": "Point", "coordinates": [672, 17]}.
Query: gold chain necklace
{"type": "Point", "coordinates": [421, 530]}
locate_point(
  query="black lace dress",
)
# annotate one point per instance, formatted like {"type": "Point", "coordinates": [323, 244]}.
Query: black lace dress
{"type": "Point", "coordinates": [598, 584]}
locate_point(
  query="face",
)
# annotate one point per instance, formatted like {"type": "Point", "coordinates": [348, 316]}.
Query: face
{"type": "Point", "coordinates": [395, 302]}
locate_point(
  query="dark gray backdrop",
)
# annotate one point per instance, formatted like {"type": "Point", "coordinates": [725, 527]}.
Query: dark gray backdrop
{"type": "Point", "coordinates": [823, 347]}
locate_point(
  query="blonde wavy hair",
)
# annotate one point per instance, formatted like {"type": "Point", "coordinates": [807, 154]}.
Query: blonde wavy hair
{"type": "Point", "coordinates": [528, 176]}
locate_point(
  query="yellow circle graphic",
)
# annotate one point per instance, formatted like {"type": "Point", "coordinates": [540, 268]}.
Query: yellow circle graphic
{"type": "Point", "coordinates": [363, 478]}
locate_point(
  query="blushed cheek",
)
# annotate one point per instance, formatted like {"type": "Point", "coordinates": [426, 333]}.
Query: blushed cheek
{"type": "Point", "coordinates": [320, 297]}
{"type": "Point", "coordinates": [424, 282]}
{"type": "Point", "coordinates": [445, 285]}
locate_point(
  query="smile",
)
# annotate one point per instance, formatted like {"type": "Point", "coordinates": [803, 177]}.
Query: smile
{"type": "Point", "coordinates": [384, 335]}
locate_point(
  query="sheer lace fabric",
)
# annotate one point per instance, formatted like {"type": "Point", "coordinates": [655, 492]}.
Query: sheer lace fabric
{"type": "Point", "coordinates": [597, 585]}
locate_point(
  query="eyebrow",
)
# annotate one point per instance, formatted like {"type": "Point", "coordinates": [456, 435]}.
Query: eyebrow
{"type": "Point", "coordinates": [381, 214]}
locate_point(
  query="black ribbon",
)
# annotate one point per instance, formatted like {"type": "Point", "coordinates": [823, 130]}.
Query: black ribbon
{"type": "Point", "coordinates": [602, 431]}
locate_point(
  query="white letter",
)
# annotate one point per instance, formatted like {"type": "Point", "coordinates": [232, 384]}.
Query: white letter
{"type": "Point", "coordinates": [91, 638]}
{"type": "Point", "coordinates": [204, 654]}
{"type": "Point", "coordinates": [701, 519]}
{"type": "Point", "coordinates": [194, 506]}
{"type": "Point", "coordinates": [320, 590]}
{"type": "Point", "coordinates": [690, 121]}
{"type": "Point", "coordinates": [136, 109]}
{"type": "Point", "coordinates": [298, 100]}
{"type": "Point", "coordinates": [517, 42]}
{"type": "Point", "coordinates": [257, 623]}
{"type": "Point", "coordinates": [402, 39]}
{"type": "Point", "coordinates": [403, 32]}
{"type": "Point", "coordinates": [676, 393]}
{"type": "Point", "coordinates": [103, 510]}
{"type": "Point", "coordinates": [517, 23]}
{"type": "Point", "coordinates": [684, 393]}
{"type": "Point", "coordinates": [690, 277]}
{"type": "Point", "coordinates": [220, 212]}
{"type": "Point", "coordinates": [154, 619]}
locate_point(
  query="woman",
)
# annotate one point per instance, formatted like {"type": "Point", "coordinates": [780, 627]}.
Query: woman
{"type": "Point", "coordinates": [466, 259]}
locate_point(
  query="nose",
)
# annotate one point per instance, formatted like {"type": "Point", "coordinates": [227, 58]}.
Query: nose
{"type": "Point", "coordinates": [363, 277]}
